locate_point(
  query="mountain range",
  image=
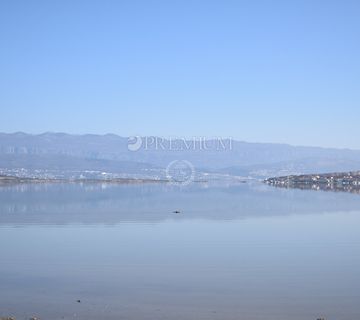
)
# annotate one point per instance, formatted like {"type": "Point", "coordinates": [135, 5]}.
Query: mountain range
{"type": "Point", "coordinates": [136, 155]}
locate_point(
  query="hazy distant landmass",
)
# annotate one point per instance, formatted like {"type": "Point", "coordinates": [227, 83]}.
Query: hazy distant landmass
{"type": "Point", "coordinates": [61, 152]}
{"type": "Point", "coordinates": [336, 181]}
{"type": "Point", "coordinates": [9, 180]}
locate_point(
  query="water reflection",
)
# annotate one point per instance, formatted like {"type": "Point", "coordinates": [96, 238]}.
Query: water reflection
{"type": "Point", "coordinates": [246, 251]}
{"type": "Point", "coordinates": [96, 203]}
{"type": "Point", "coordinates": [349, 188]}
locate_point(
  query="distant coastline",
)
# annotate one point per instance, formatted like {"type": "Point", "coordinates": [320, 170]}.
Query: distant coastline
{"type": "Point", "coordinates": [6, 180]}
{"type": "Point", "coordinates": [336, 181]}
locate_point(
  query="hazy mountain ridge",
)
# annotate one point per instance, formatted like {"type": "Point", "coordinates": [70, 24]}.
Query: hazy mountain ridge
{"type": "Point", "coordinates": [110, 152]}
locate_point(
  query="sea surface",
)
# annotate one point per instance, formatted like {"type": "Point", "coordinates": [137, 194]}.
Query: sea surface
{"type": "Point", "coordinates": [246, 252]}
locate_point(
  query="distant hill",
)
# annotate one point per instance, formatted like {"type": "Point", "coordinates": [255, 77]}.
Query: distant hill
{"type": "Point", "coordinates": [110, 152]}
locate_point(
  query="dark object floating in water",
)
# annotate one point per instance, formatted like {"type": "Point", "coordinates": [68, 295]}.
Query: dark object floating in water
{"type": "Point", "coordinates": [176, 211]}
{"type": "Point", "coordinates": [78, 301]}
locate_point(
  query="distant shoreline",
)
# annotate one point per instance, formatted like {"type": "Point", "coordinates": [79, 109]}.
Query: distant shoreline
{"type": "Point", "coordinates": [336, 181]}
{"type": "Point", "coordinates": [6, 180]}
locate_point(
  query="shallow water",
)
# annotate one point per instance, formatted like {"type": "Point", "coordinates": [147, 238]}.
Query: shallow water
{"type": "Point", "coordinates": [247, 251]}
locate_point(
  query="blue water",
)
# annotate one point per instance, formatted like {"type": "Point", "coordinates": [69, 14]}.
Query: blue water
{"type": "Point", "coordinates": [247, 251]}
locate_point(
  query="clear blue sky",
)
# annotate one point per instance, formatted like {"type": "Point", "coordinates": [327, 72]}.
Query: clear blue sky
{"type": "Point", "coordinates": [263, 71]}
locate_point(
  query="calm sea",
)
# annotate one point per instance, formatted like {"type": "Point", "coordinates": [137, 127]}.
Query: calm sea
{"type": "Point", "coordinates": [249, 251]}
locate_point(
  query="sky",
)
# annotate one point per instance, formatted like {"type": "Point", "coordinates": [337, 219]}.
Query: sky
{"type": "Point", "coordinates": [257, 71]}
